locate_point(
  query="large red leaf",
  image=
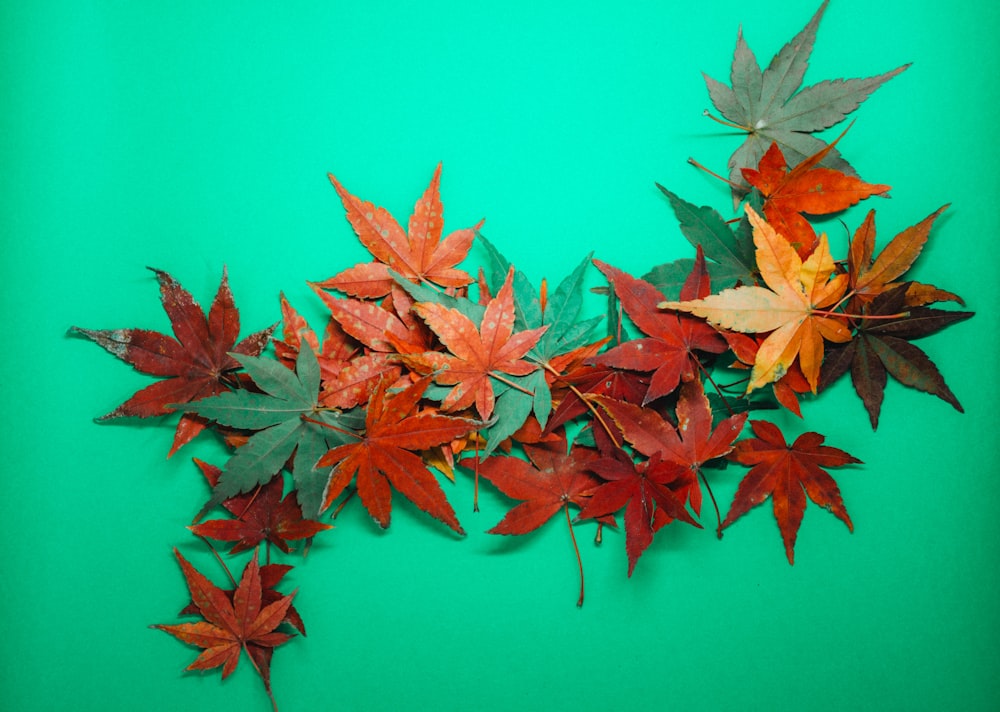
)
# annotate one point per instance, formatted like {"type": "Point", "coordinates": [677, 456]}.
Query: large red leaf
{"type": "Point", "coordinates": [384, 456]}
{"type": "Point", "coordinates": [787, 474]}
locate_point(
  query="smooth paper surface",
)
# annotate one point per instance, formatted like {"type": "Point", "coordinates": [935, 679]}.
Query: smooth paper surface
{"type": "Point", "coordinates": [188, 136]}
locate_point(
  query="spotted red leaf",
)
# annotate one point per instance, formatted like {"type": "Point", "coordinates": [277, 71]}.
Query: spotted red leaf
{"type": "Point", "coordinates": [419, 254]}
{"type": "Point", "coordinates": [477, 353]}
{"type": "Point", "coordinates": [232, 625]}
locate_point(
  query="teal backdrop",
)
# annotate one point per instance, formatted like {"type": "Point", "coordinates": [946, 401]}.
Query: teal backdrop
{"type": "Point", "coordinates": [192, 135]}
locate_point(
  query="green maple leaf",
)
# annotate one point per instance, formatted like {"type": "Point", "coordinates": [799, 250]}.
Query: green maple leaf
{"type": "Point", "coordinates": [282, 433]}
{"type": "Point", "coordinates": [729, 253]}
{"type": "Point", "coordinates": [564, 333]}
{"type": "Point", "coordinates": [770, 107]}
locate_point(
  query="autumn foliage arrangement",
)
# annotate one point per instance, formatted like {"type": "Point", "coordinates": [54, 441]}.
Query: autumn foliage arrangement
{"type": "Point", "coordinates": [425, 369]}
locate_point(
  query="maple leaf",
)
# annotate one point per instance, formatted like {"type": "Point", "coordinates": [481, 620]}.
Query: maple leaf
{"type": "Point", "coordinates": [232, 626]}
{"type": "Point", "coordinates": [549, 481]}
{"type": "Point", "coordinates": [196, 364]}
{"type": "Point", "coordinates": [787, 474]}
{"type": "Point", "coordinates": [792, 309]}
{"type": "Point", "coordinates": [260, 515]}
{"type": "Point", "coordinates": [807, 188]}
{"type": "Point", "coordinates": [565, 333]}
{"type": "Point", "coordinates": [669, 349]}
{"type": "Point", "coordinates": [770, 107]}
{"type": "Point", "coordinates": [478, 355]}
{"type": "Point", "coordinates": [276, 414]}
{"type": "Point", "coordinates": [869, 277]}
{"type": "Point", "coordinates": [347, 376]}
{"type": "Point", "coordinates": [729, 251]}
{"type": "Point", "coordinates": [418, 254]}
{"type": "Point", "coordinates": [644, 489]}
{"type": "Point", "coordinates": [270, 577]}
{"type": "Point", "coordinates": [691, 444]}
{"type": "Point", "coordinates": [384, 456]}
{"type": "Point", "coordinates": [881, 347]}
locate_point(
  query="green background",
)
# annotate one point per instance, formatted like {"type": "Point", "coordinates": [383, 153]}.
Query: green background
{"type": "Point", "coordinates": [189, 135]}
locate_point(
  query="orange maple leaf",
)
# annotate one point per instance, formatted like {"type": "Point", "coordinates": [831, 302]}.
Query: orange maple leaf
{"type": "Point", "coordinates": [478, 354]}
{"type": "Point", "coordinates": [806, 188]}
{"type": "Point", "coordinates": [419, 254]}
{"type": "Point", "coordinates": [793, 310]}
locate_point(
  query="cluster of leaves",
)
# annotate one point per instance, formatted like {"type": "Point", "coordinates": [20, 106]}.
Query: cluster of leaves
{"type": "Point", "coordinates": [424, 368]}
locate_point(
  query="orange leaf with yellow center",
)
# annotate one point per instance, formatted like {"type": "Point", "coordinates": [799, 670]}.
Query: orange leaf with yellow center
{"type": "Point", "coordinates": [792, 309]}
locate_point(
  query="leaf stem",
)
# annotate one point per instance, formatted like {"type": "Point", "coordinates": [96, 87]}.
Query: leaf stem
{"type": "Point", "coordinates": [334, 428]}
{"type": "Point", "coordinates": [715, 385]}
{"type": "Point", "coordinates": [350, 495]}
{"type": "Point", "coordinates": [727, 124]}
{"type": "Point", "coordinates": [576, 549]}
{"type": "Point", "coordinates": [590, 406]}
{"type": "Point", "coordinates": [718, 517]}
{"type": "Point", "coordinates": [510, 383]}
{"type": "Point", "coordinates": [710, 172]}
{"type": "Point", "coordinates": [215, 553]}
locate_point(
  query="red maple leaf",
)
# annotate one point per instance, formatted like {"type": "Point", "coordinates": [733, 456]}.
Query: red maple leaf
{"type": "Point", "coordinates": [232, 625]}
{"type": "Point", "coordinates": [418, 254]}
{"type": "Point", "coordinates": [478, 354]}
{"type": "Point", "coordinates": [384, 455]}
{"type": "Point", "coordinates": [672, 340]}
{"type": "Point", "coordinates": [270, 577]}
{"type": "Point", "coordinates": [261, 515]}
{"type": "Point", "coordinates": [787, 474]}
{"type": "Point", "coordinates": [196, 363]}
{"type": "Point", "coordinates": [691, 444]}
{"type": "Point", "coordinates": [645, 490]}
{"type": "Point", "coordinates": [549, 481]}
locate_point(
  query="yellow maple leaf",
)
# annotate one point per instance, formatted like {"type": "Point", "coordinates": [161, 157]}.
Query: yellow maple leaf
{"type": "Point", "coordinates": [794, 309]}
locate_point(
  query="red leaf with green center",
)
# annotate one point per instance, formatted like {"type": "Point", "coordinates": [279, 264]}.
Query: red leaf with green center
{"type": "Point", "coordinates": [384, 456]}
{"type": "Point", "coordinates": [787, 474]}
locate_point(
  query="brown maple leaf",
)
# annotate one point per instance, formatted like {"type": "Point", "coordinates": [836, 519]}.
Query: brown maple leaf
{"type": "Point", "coordinates": [232, 625]}
{"type": "Point", "coordinates": [787, 474]}
{"type": "Point", "coordinates": [807, 188]}
{"type": "Point", "coordinates": [261, 515]}
{"type": "Point", "coordinates": [869, 277]}
{"type": "Point", "coordinates": [793, 310]}
{"type": "Point", "coordinates": [196, 363]}
{"type": "Point", "coordinates": [478, 354]}
{"type": "Point", "coordinates": [385, 455]}
{"type": "Point", "coordinates": [418, 254]}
